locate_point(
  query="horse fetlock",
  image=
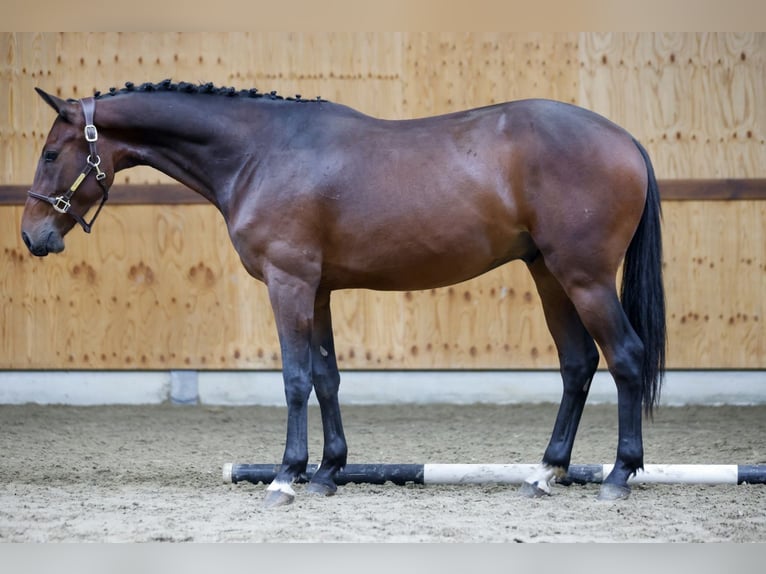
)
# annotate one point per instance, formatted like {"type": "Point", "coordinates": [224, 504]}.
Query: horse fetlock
{"type": "Point", "coordinates": [557, 456]}
{"type": "Point", "coordinates": [630, 457]}
{"type": "Point", "coordinates": [335, 453]}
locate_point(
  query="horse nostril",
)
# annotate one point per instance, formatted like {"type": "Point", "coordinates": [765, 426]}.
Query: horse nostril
{"type": "Point", "coordinates": [26, 239]}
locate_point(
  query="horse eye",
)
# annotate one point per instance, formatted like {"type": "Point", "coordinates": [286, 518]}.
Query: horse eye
{"type": "Point", "coordinates": [50, 155]}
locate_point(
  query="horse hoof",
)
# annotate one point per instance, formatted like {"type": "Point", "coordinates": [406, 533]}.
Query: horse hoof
{"type": "Point", "coordinates": [530, 490]}
{"type": "Point", "coordinates": [276, 498]}
{"type": "Point", "coordinates": [611, 492]}
{"type": "Point", "coordinates": [321, 489]}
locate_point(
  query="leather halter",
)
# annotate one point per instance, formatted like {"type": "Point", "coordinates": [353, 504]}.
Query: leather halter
{"type": "Point", "coordinates": [62, 203]}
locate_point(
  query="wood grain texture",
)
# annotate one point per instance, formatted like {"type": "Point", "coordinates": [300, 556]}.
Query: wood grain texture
{"type": "Point", "coordinates": [447, 72]}
{"type": "Point", "coordinates": [715, 279]}
{"type": "Point", "coordinates": [161, 287]}
{"type": "Point", "coordinates": [695, 99]}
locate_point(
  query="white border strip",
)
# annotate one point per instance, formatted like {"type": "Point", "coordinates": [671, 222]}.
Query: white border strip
{"type": "Point", "coordinates": [359, 387]}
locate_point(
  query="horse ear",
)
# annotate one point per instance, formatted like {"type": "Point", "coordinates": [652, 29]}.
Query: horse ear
{"type": "Point", "coordinates": [61, 106]}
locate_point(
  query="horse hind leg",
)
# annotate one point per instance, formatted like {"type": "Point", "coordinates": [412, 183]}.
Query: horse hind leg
{"type": "Point", "coordinates": [578, 358]}
{"type": "Point", "coordinates": [326, 379]}
{"type": "Point", "coordinates": [600, 310]}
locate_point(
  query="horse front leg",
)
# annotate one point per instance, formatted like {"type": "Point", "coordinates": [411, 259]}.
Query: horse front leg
{"type": "Point", "coordinates": [292, 300]}
{"type": "Point", "coordinates": [326, 380]}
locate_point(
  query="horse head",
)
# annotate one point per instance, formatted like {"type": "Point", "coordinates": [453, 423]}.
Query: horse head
{"type": "Point", "coordinates": [73, 174]}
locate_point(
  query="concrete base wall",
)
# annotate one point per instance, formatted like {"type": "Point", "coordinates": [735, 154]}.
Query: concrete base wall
{"type": "Point", "coordinates": [358, 387]}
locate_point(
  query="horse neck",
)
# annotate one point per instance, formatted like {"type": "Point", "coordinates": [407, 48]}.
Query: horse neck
{"type": "Point", "coordinates": [198, 140]}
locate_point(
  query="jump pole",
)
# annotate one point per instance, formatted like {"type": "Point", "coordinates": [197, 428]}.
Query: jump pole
{"type": "Point", "coordinates": [401, 474]}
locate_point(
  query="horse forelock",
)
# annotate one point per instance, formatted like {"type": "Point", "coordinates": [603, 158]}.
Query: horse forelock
{"type": "Point", "coordinates": [202, 88]}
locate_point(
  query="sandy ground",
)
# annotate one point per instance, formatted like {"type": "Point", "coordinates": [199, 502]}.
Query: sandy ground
{"type": "Point", "coordinates": [153, 473]}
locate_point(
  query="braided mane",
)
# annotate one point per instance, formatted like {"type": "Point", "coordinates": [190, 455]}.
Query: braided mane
{"type": "Point", "coordinates": [207, 88]}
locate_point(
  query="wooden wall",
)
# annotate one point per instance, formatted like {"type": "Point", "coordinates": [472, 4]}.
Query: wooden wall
{"type": "Point", "coordinates": [145, 291]}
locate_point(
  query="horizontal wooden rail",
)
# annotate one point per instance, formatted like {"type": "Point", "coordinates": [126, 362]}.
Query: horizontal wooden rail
{"type": "Point", "coordinates": [176, 194]}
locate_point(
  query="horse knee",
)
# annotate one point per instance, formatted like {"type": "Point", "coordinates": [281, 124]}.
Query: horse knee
{"type": "Point", "coordinates": [297, 389]}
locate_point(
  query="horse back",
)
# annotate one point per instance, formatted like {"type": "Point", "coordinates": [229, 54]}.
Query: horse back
{"type": "Point", "coordinates": [429, 202]}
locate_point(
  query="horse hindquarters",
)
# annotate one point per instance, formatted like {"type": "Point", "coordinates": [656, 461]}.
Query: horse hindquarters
{"type": "Point", "coordinates": [583, 258]}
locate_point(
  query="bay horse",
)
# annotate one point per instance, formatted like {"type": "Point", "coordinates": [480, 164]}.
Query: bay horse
{"type": "Point", "coordinates": [318, 197]}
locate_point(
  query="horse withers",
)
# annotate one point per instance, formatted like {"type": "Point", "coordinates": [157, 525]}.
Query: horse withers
{"type": "Point", "coordinates": [317, 197]}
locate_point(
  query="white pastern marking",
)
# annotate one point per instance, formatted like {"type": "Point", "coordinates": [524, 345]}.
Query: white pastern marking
{"type": "Point", "coordinates": [281, 487]}
{"type": "Point", "coordinates": [543, 477]}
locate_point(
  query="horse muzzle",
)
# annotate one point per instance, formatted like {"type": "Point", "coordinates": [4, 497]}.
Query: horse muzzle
{"type": "Point", "coordinates": [52, 242]}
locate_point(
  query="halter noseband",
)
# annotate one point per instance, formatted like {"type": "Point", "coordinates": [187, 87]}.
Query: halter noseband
{"type": "Point", "coordinates": [62, 203]}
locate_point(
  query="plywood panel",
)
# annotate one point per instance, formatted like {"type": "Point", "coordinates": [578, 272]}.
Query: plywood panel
{"type": "Point", "coordinates": [150, 288]}
{"type": "Point", "coordinates": [447, 72]}
{"type": "Point", "coordinates": [161, 287]}
{"type": "Point", "coordinates": [359, 69]}
{"type": "Point", "coordinates": [695, 100]}
{"type": "Point", "coordinates": [494, 321]}
{"type": "Point", "coordinates": [715, 278]}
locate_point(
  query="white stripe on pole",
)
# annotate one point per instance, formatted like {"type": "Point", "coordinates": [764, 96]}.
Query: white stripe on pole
{"type": "Point", "coordinates": [684, 474]}
{"type": "Point", "coordinates": [517, 473]}
{"type": "Point", "coordinates": [476, 473]}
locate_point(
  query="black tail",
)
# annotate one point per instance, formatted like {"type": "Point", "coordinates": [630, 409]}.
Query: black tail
{"type": "Point", "coordinates": [642, 292]}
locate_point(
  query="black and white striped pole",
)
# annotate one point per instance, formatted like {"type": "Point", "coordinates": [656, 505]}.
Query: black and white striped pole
{"type": "Point", "coordinates": [507, 473]}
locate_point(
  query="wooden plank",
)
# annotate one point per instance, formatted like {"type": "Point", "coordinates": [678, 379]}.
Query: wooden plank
{"type": "Point", "coordinates": [712, 189]}
{"type": "Point", "coordinates": [176, 194]}
{"type": "Point", "coordinates": [130, 194]}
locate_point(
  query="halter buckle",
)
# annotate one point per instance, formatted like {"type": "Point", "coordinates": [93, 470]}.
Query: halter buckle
{"type": "Point", "coordinates": [61, 204]}
{"type": "Point", "coordinates": [91, 133]}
